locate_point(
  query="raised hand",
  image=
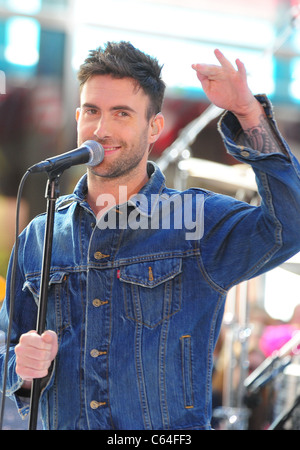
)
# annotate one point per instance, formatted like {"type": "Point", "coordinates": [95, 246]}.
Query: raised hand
{"type": "Point", "coordinates": [227, 87]}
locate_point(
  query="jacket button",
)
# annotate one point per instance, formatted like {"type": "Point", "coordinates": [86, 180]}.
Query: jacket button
{"type": "Point", "coordinates": [245, 153]}
{"type": "Point", "coordinates": [99, 255]}
{"type": "Point", "coordinates": [97, 302]}
{"type": "Point", "coordinates": [95, 353]}
{"type": "Point", "coordinates": [94, 404]}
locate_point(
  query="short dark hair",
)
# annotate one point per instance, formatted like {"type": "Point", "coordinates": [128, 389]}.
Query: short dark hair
{"type": "Point", "coordinates": [123, 60]}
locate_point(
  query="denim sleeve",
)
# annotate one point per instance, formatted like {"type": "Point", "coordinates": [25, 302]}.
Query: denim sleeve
{"type": "Point", "coordinates": [251, 240]}
{"type": "Point", "coordinates": [23, 321]}
{"type": "Point", "coordinates": [230, 128]}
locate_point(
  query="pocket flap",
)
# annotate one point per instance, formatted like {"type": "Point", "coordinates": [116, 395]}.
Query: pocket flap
{"type": "Point", "coordinates": [33, 283]}
{"type": "Point", "coordinates": [151, 273]}
{"type": "Point", "coordinates": [57, 278]}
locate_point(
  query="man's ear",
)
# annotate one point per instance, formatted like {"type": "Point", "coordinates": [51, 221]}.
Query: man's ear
{"type": "Point", "coordinates": [77, 114]}
{"type": "Point", "coordinates": [157, 126]}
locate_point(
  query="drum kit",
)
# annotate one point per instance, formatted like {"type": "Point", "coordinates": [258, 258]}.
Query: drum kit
{"type": "Point", "coordinates": [281, 371]}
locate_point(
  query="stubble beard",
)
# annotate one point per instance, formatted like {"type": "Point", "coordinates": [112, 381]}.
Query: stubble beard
{"type": "Point", "coordinates": [129, 159]}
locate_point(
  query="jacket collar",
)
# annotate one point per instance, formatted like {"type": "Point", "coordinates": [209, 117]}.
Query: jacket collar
{"type": "Point", "coordinates": [145, 201]}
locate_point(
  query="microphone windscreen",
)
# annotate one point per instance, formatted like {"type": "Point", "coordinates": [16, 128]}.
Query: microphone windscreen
{"type": "Point", "coordinates": [96, 152]}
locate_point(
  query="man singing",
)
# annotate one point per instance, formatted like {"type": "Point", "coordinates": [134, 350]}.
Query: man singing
{"type": "Point", "coordinates": [134, 312]}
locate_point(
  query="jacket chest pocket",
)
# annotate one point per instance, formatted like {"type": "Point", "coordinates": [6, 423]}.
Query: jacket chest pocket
{"type": "Point", "coordinates": [152, 290]}
{"type": "Point", "coordinates": [58, 302]}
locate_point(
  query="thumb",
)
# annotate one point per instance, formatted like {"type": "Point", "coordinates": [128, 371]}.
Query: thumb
{"type": "Point", "coordinates": [50, 338]}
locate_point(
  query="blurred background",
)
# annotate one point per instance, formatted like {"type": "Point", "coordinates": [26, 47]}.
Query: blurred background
{"type": "Point", "coordinates": [43, 43]}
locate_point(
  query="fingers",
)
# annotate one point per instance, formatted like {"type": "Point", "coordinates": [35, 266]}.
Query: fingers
{"type": "Point", "coordinates": [222, 60]}
{"type": "Point", "coordinates": [227, 64]}
{"type": "Point", "coordinates": [206, 70]}
{"type": "Point", "coordinates": [212, 70]}
{"type": "Point", "coordinates": [241, 68]}
{"type": "Point", "coordinates": [34, 354]}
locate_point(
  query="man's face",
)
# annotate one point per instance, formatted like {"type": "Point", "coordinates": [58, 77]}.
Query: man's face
{"type": "Point", "coordinates": [114, 113]}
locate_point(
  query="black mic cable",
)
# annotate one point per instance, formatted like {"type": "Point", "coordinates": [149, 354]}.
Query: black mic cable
{"type": "Point", "coordinates": [12, 294]}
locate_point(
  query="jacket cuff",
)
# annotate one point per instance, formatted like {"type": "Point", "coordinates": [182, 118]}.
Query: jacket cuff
{"type": "Point", "coordinates": [230, 129]}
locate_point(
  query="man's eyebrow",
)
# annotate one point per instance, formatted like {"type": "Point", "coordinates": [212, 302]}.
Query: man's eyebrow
{"type": "Point", "coordinates": [123, 108]}
{"type": "Point", "coordinates": [89, 105]}
{"type": "Point", "coordinates": [113, 108]}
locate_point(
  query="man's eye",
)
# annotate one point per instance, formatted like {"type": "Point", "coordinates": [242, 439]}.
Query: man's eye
{"type": "Point", "coordinates": [90, 111]}
{"type": "Point", "coordinates": [123, 114]}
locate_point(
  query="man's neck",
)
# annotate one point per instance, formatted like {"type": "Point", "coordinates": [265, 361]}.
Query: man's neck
{"type": "Point", "coordinates": [102, 191]}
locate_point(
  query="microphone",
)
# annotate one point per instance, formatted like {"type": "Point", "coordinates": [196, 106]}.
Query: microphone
{"type": "Point", "coordinates": [90, 153]}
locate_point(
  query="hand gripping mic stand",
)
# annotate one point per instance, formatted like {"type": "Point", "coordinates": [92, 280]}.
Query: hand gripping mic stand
{"type": "Point", "coordinates": [52, 193]}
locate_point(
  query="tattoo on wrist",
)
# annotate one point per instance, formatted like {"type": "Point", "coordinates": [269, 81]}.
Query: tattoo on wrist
{"type": "Point", "coordinates": [261, 138]}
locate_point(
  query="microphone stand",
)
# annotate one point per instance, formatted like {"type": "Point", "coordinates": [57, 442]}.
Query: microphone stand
{"type": "Point", "coordinates": [187, 136]}
{"type": "Point", "coordinates": [279, 423]}
{"type": "Point", "coordinates": [52, 193]}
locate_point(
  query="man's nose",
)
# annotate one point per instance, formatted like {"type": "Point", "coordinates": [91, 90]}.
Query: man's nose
{"type": "Point", "coordinates": [102, 128]}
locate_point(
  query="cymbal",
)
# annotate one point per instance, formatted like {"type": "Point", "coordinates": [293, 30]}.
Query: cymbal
{"type": "Point", "coordinates": [227, 178]}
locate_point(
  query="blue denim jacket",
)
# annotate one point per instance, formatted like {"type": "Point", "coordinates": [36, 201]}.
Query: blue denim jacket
{"type": "Point", "coordinates": [138, 311]}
